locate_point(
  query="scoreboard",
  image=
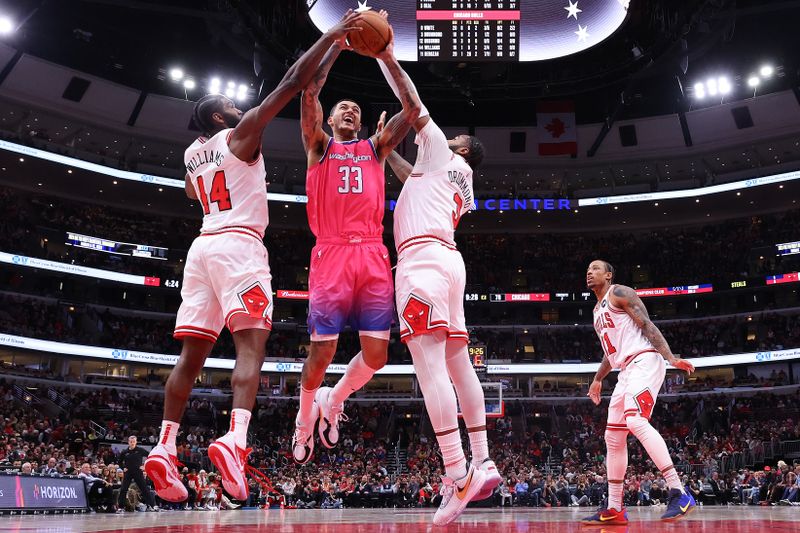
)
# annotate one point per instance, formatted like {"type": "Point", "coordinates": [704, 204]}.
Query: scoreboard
{"type": "Point", "coordinates": [468, 30]}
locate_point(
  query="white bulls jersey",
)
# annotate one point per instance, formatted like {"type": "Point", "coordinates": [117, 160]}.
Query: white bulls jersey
{"type": "Point", "coordinates": [621, 338]}
{"type": "Point", "coordinates": [436, 194]}
{"type": "Point", "coordinates": [232, 193]}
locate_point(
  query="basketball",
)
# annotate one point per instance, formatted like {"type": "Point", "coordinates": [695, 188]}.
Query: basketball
{"type": "Point", "coordinates": [376, 33]}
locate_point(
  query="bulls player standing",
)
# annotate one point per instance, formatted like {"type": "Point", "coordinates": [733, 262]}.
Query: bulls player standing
{"type": "Point", "coordinates": [635, 346]}
{"type": "Point", "coordinates": [227, 277]}
{"type": "Point", "coordinates": [430, 281]}
{"type": "Point", "coordinates": [350, 280]}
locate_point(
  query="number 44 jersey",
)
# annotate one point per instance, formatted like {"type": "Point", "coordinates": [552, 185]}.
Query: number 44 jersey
{"type": "Point", "coordinates": [346, 197]}
{"type": "Point", "coordinates": [232, 192]}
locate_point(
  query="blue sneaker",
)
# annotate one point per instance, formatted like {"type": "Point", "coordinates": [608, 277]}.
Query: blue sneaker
{"type": "Point", "coordinates": [679, 505]}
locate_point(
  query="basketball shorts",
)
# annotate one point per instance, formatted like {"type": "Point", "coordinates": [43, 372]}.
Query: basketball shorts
{"type": "Point", "coordinates": [350, 284]}
{"type": "Point", "coordinates": [430, 281]}
{"type": "Point", "coordinates": [637, 388]}
{"type": "Point", "coordinates": [226, 282]}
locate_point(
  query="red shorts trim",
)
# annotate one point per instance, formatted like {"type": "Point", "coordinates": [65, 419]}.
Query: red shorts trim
{"type": "Point", "coordinates": [406, 334]}
{"type": "Point", "coordinates": [194, 331]}
{"type": "Point", "coordinates": [421, 239]}
{"type": "Point", "coordinates": [203, 336]}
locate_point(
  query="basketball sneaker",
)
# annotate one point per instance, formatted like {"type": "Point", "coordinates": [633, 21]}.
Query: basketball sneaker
{"type": "Point", "coordinates": [303, 438]}
{"type": "Point", "coordinates": [455, 498]}
{"type": "Point", "coordinates": [608, 517]}
{"type": "Point", "coordinates": [329, 417]}
{"type": "Point", "coordinates": [493, 479]}
{"type": "Point", "coordinates": [679, 504]}
{"type": "Point", "coordinates": [162, 468]}
{"type": "Point", "coordinates": [231, 460]}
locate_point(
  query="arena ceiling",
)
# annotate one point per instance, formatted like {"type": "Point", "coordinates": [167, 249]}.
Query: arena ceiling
{"type": "Point", "coordinates": [645, 68]}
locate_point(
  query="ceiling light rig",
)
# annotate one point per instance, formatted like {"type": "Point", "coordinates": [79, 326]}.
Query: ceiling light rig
{"type": "Point", "coordinates": [236, 90]}
{"type": "Point", "coordinates": [718, 87]}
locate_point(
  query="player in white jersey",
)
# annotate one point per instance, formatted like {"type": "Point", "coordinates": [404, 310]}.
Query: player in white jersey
{"type": "Point", "coordinates": [227, 281]}
{"type": "Point", "coordinates": [429, 292]}
{"type": "Point", "coordinates": [633, 345]}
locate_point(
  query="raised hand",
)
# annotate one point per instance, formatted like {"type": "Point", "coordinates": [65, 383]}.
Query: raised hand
{"type": "Point", "coordinates": [346, 25]}
{"type": "Point", "coordinates": [381, 122]}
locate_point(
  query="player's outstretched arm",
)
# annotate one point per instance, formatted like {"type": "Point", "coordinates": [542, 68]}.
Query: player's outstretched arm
{"type": "Point", "coordinates": [397, 127]}
{"type": "Point", "coordinates": [311, 113]}
{"type": "Point", "coordinates": [246, 139]}
{"type": "Point", "coordinates": [597, 383]}
{"type": "Point", "coordinates": [626, 299]}
{"type": "Point", "coordinates": [402, 168]}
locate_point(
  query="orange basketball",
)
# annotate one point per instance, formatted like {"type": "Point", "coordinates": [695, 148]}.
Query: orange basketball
{"type": "Point", "coordinates": [376, 33]}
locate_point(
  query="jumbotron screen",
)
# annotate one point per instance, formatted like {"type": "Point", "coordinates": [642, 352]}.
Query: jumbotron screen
{"type": "Point", "coordinates": [486, 30]}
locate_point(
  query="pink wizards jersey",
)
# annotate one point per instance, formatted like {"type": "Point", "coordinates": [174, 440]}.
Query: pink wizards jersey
{"type": "Point", "coordinates": [436, 194]}
{"type": "Point", "coordinates": [345, 191]}
{"type": "Point", "coordinates": [232, 193]}
{"type": "Point", "coordinates": [621, 338]}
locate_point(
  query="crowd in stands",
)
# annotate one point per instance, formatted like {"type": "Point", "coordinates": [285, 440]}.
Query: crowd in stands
{"type": "Point", "coordinates": [522, 262]}
{"type": "Point", "coordinates": [94, 325]}
{"type": "Point", "coordinates": [728, 449]}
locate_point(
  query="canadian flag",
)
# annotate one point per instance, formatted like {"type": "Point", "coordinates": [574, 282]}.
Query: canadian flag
{"type": "Point", "coordinates": [556, 128]}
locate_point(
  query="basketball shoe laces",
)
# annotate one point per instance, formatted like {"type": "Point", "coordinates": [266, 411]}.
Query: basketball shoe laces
{"type": "Point", "coordinates": [447, 491]}
{"type": "Point", "coordinates": [337, 415]}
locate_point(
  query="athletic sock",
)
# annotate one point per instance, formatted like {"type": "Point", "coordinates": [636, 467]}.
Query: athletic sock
{"type": "Point", "coordinates": [455, 464]}
{"type": "Point", "coordinates": [240, 420]}
{"type": "Point", "coordinates": [304, 413]}
{"type": "Point", "coordinates": [357, 374]}
{"type": "Point", "coordinates": [169, 431]}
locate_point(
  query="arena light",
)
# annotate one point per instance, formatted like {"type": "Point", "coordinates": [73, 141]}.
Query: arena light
{"type": "Point", "coordinates": [214, 85]}
{"type": "Point", "coordinates": [189, 84]}
{"type": "Point", "coordinates": [711, 86]}
{"type": "Point", "coordinates": [176, 74]}
{"type": "Point", "coordinates": [699, 91]}
{"type": "Point", "coordinates": [242, 93]}
{"type": "Point", "coordinates": [6, 26]}
{"type": "Point", "coordinates": [231, 85]}
{"type": "Point", "coordinates": [766, 71]}
{"type": "Point", "coordinates": [753, 81]}
{"type": "Point", "coordinates": [230, 92]}
{"type": "Point", "coordinates": [724, 85]}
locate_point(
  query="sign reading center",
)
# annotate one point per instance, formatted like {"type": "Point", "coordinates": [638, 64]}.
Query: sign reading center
{"type": "Point", "coordinates": [516, 204]}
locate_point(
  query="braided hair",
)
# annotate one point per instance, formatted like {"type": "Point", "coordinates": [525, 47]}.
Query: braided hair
{"type": "Point", "coordinates": [204, 109]}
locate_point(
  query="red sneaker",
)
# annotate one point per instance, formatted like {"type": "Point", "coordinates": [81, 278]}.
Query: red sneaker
{"type": "Point", "coordinates": [162, 468]}
{"type": "Point", "coordinates": [230, 460]}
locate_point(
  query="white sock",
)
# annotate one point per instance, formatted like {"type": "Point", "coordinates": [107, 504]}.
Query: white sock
{"type": "Point", "coordinates": [240, 419]}
{"type": "Point", "coordinates": [169, 430]}
{"type": "Point", "coordinates": [306, 405]}
{"type": "Point", "coordinates": [357, 374]}
{"type": "Point", "coordinates": [470, 397]}
{"type": "Point", "coordinates": [455, 464]}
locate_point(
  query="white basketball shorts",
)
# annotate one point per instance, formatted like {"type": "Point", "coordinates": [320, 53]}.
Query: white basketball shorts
{"type": "Point", "coordinates": [429, 291]}
{"type": "Point", "coordinates": [226, 282]}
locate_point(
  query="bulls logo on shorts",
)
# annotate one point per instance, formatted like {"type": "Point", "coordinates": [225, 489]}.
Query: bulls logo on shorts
{"type": "Point", "coordinates": [645, 402]}
{"type": "Point", "coordinates": [255, 300]}
{"type": "Point", "coordinates": [417, 314]}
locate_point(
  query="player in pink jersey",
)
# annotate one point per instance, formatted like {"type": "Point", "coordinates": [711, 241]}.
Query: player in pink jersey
{"type": "Point", "coordinates": [635, 346]}
{"type": "Point", "coordinates": [350, 280]}
{"type": "Point", "coordinates": [227, 278]}
{"type": "Point", "coordinates": [430, 280]}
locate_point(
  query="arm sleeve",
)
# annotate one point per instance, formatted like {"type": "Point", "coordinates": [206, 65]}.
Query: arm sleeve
{"type": "Point", "coordinates": [433, 152]}
{"type": "Point", "coordinates": [386, 74]}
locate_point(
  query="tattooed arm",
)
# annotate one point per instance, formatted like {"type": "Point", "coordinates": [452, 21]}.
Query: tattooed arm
{"type": "Point", "coordinates": [397, 128]}
{"type": "Point", "coordinates": [626, 299]}
{"type": "Point", "coordinates": [311, 115]}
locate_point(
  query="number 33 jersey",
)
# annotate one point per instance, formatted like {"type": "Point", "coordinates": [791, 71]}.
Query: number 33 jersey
{"type": "Point", "coordinates": [232, 193]}
{"type": "Point", "coordinates": [437, 193]}
{"type": "Point", "coordinates": [346, 196]}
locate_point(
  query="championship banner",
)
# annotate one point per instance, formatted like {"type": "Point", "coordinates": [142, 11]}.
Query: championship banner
{"type": "Point", "coordinates": [19, 493]}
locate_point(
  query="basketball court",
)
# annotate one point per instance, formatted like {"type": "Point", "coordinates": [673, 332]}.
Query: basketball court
{"type": "Point", "coordinates": [710, 519]}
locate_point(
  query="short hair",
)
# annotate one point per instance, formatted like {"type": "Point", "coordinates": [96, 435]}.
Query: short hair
{"type": "Point", "coordinates": [476, 152]}
{"type": "Point", "coordinates": [204, 109]}
{"type": "Point", "coordinates": [610, 268]}
{"type": "Point", "coordinates": [333, 108]}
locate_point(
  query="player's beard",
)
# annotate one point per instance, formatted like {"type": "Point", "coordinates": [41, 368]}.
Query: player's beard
{"type": "Point", "coordinates": [232, 121]}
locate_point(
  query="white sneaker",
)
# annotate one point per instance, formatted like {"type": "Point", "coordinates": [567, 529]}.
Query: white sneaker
{"type": "Point", "coordinates": [303, 440]}
{"type": "Point", "coordinates": [162, 468]}
{"type": "Point", "coordinates": [493, 479]}
{"type": "Point", "coordinates": [329, 417]}
{"type": "Point", "coordinates": [230, 460]}
{"type": "Point", "coordinates": [455, 499]}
